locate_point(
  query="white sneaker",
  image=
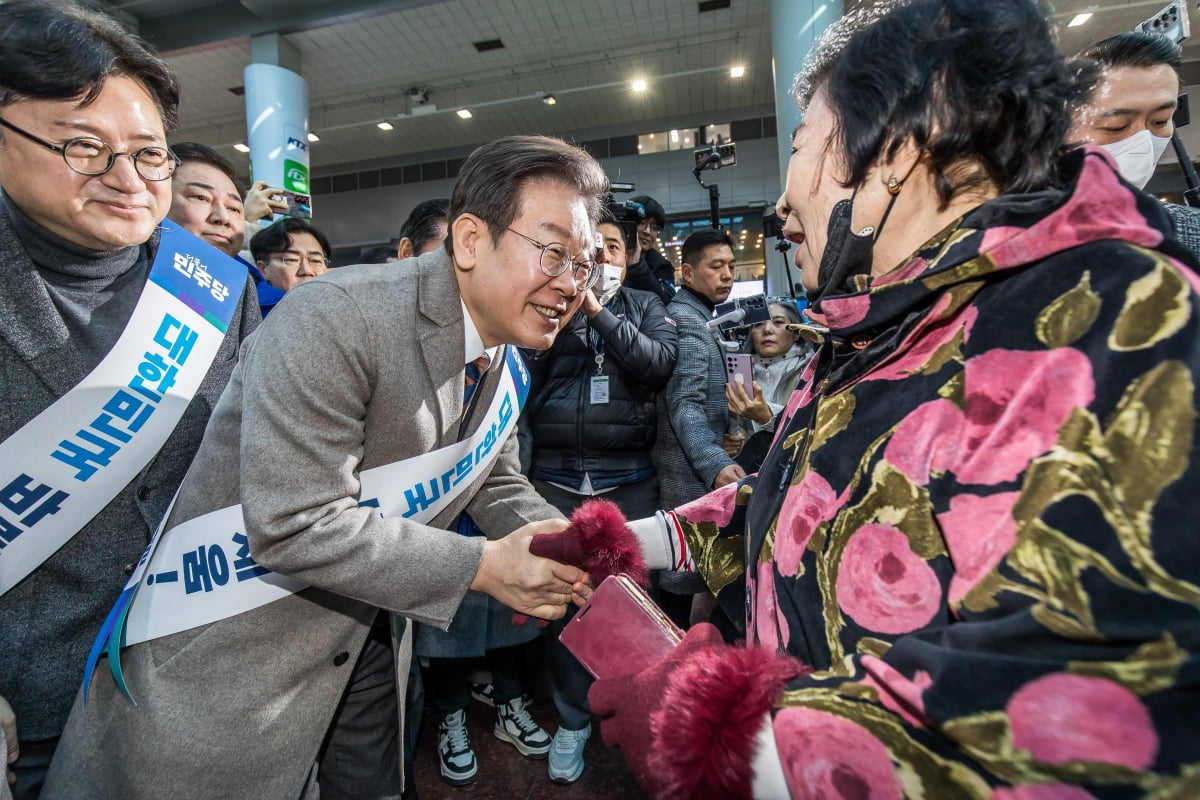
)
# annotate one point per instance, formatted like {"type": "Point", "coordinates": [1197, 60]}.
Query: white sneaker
{"type": "Point", "coordinates": [566, 754]}
{"type": "Point", "coordinates": [456, 758]}
{"type": "Point", "coordinates": [515, 726]}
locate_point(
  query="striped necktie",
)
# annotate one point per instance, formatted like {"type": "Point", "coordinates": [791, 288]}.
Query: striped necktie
{"type": "Point", "coordinates": [474, 371]}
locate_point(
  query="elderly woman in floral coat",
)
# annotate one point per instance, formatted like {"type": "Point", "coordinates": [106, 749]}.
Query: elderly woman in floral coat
{"type": "Point", "coordinates": [970, 564]}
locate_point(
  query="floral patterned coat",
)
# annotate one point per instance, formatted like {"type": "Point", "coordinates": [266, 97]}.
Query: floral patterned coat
{"type": "Point", "coordinates": [979, 522]}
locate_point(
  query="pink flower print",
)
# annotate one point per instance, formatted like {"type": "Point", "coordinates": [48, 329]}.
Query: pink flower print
{"type": "Point", "coordinates": [1014, 403]}
{"type": "Point", "coordinates": [883, 585]}
{"type": "Point", "coordinates": [770, 628]}
{"type": "Point", "coordinates": [979, 532]}
{"type": "Point", "coordinates": [804, 394]}
{"type": "Point", "coordinates": [926, 441]}
{"type": "Point", "coordinates": [826, 757]}
{"type": "Point", "coordinates": [898, 693]}
{"type": "Point", "coordinates": [716, 506]}
{"type": "Point", "coordinates": [846, 311]}
{"type": "Point", "coordinates": [1100, 208]}
{"type": "Point", "coordinates": [921, 343]}
{"type": "Point", "coordinates": [806, 506]}
{"type": "Point", "coordinates": [1063, 717]}
{"type": "Point", "coordinates": [1041, 791]}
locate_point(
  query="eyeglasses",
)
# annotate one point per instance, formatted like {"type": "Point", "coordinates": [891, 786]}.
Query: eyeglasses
{"type": "Point", "coordinates": [90, 156]}
{"type": "Point", "coordinates": [555, 259]}
{"type": "Point", "coordinates": [653, 228]}
{"type": "Point", "coordinates": [292, 261]}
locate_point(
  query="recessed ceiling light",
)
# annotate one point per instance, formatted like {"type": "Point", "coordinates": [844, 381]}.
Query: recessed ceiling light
{"type": "Point", "coordinates": [241, 148]}
{"type": "Point", "coordinates": [1079, 19]}
{"type": "Point", "coordinates": [550, 100]}
{"type": "Point", "coordinates": [464, 113]}
{"type": "Point", "coordinates": [737, 72]}
{"type": "Point", "coordinates": [384, 126]}
{"type": "Point", "coordinates": [312, 137]}
{"type": "Point", "coordinates": [638, 85]}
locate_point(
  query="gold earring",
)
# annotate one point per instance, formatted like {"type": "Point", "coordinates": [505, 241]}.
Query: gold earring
{"type": "Point", "coordinates": [894, 184]}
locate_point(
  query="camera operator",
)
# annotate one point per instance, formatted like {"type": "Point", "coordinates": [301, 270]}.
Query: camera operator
{"type": "Point", "coordinates": [647, 269]}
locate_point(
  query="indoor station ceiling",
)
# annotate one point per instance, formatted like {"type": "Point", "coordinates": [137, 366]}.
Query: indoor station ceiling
{"type": "Point", "coordinates": [363, 58]}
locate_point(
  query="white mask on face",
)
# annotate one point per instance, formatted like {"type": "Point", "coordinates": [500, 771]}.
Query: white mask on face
{"type": "Point", "coordinates": [1138, 155]}
{"type": "Point", "coordinates": [610, 281]}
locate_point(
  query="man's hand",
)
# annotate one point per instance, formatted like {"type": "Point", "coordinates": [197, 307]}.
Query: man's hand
{"type": "Point", "coordinates": [591, 306]}
{"type": "Point", "coordinates": [263, 201]}
{"type": "Point", "coordinates": [524, 582]}
{"type": "Point", "coordinates": [8, 722]}
{"type": "Point", "coordinates": [732, 443]}
{"type": "Point", "coordinates": [730, 474]}
{"type": "Point", "coordinates": [744, 405]}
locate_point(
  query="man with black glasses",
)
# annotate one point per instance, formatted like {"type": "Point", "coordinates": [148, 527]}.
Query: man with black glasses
{"type": "Point", "coordinates": [99, 318]}
{"type": "Point", "coordinates": [287, 253]}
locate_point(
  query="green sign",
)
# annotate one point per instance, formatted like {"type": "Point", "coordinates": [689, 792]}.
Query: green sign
{"type": "Point", "coordinates": [295, 176]}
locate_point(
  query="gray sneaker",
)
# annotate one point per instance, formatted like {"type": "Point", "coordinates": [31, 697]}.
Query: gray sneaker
{"type": "Point", "coordinates": [515, 726]}
{"type": "Point", "coordinates": [456, 758]}
{"type": "Point", "coordinates": [566, 754]}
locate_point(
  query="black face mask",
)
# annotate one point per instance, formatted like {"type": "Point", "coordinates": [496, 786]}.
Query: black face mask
{"type": "Point", "coordinates": [846, 253]}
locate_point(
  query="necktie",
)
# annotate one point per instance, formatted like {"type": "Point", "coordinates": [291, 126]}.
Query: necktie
{"type": "Point", "coordinates": [474, 371]}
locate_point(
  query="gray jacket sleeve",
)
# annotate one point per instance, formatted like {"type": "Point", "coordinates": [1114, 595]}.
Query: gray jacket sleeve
{"type": "Point", "coordinates": [687, 396]}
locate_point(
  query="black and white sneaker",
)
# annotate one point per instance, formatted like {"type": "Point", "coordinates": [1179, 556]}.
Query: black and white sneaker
{"type": "Point", "coordinates": [515, 726]}
{"type": "Point", "coordinates": [484, 693]}
{"type": "Point", "coordinates": [455, 755]}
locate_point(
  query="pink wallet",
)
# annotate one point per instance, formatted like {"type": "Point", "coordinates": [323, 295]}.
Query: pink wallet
{"type": "Point", "coordinates": [620, 630]}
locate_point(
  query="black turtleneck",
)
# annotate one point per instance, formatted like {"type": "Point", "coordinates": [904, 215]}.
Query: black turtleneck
{"type": "Point", "coordinates": [95, 291]}
{"type": "Point", "coordinates": [709, 304]}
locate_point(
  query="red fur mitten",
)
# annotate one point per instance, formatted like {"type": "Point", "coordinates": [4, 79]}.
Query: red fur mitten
{"type": "Point", "coordinates": [688, 726]}
{"type": "Point", "coordinates": [598, 542]}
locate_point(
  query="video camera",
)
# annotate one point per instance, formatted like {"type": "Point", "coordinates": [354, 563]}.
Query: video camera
{"type": "Point", "coordinates": [628, 215]}
{"type": "Point", "coordinates": [740, 313]}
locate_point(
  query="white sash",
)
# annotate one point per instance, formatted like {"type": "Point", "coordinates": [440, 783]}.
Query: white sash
{"type": "Point", "coordinates": [201, 571]}
{"type": "Point", "coordinates": [67, 463]}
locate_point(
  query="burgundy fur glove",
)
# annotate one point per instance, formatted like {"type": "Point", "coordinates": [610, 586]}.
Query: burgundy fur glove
{"type": "Point", "coordinates": [688, 726]}
{"type": "Point", "coordinates": [598, 542]}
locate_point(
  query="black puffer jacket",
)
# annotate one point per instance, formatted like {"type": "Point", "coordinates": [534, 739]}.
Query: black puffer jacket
{"type": "Point", "coordinates": [652, 273]}
{"type": "Point", "coordinates": [572, 434]}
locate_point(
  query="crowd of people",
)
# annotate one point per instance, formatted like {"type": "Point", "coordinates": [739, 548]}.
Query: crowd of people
{"type": "Point", "coordinates": [942, 543]}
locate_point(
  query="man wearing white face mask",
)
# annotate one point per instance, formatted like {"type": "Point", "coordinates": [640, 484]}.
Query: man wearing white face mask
{"type": "Point", "coordinates": [1130, 112]}
{"type": "Point", "coordinates": [591, 419]}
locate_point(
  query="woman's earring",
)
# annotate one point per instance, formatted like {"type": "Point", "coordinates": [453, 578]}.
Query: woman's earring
{"type": "Point", "coordinates": [893, 185]}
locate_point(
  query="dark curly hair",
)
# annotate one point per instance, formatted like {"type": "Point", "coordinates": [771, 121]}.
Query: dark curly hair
{"type": "Point", "coordinates": [979, 86]}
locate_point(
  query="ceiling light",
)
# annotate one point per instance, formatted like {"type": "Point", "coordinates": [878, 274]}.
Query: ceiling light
{"type": "Point", "coordinates": [1079, 19]}
{"type": "Point", "coordinates": [384, 126]}
{"type": "Point", "coordinates": [241, 148]}
{"type": "Point", "coordinates": [737, 72]}
{"type": "Point", "coordinates": [549, 100]}
{"type": "Point", "coordinates": [464, 113]}
{"type": "Point", "coordinates": [312, 137]}
{"type": "Point", "coordinates": [639, 85]}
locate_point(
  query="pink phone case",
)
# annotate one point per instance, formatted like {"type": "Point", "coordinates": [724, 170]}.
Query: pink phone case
{"type": "Point", "coordinates": [620, 631]}
{"type": "Point", "coordinates": [739, 364]}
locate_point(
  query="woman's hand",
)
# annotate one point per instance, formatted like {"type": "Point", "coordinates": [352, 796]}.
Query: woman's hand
{"type": "Point", "coordinates": [753, 408]}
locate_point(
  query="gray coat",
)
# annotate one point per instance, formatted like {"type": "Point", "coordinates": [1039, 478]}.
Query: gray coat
{"type": "Point", "coordinates": [355, 369]}
{"type": "Point", "coordinates": [693, 412]}
{"type": "Point", "coordinates": [48, 621]}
